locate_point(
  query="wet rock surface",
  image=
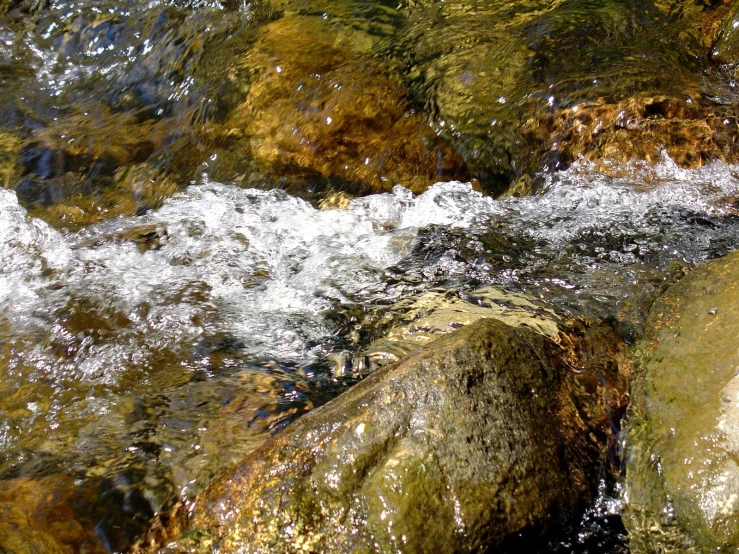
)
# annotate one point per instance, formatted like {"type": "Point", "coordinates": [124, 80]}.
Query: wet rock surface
{"type": "Point", "coordinates": [416, 321]}
{"type": "Point", "coordinates": [642, 127]}
{"type": "Point", "coordinates": [682, 478]}
{"type": "Point", "coordinates": [481, 434]}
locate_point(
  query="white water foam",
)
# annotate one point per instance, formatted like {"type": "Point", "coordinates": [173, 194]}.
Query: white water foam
{"type": "Point", "coordinates": [581, 199]}
{"type": "Point", "coordinates": [266, 267]}
{"type": "Point", "coordinates": [259, 265]}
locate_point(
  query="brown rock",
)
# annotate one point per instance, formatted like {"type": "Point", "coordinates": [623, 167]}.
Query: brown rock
{"type": "Point", "coordinates": [9, 168]}
{"type": "Point", "coordinates": [40, 516]}
{"type": "Point", "coordinates": [692, 133]}
{"type": "Point", "coordinates": [319, 105]}
{"type": "Point", "coordinates": [480, 434]}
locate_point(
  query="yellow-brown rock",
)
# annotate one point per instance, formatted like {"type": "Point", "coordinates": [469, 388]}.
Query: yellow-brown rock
{"type": "Point", "coordinates": [40, 516]}
{"type": "Point", "coordinates": [320, 105]}
{"type": "Point", "coordinates": [9, 168]}
{"type": "Point", "coordinates": [641, 127]}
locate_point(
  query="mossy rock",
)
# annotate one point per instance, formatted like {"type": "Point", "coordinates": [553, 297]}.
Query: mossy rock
{"type": "Point", "coordinates": [682, 476]}
{"type": "Point", "coordinates": [480, 434]}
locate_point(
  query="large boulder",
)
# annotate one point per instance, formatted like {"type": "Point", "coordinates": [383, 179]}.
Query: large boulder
{"type": "Point", "coordinates": [482, 433]}
{"type": "Point", "coordinates": [682, 475]}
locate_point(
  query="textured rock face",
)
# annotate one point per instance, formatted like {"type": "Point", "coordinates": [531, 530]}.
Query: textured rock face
{"type": "Point", "coordinates": [641, 127]}
{"type": "Point", "coordinates": [682, 479]}
{"type": "Point", "coordinates": [479, 435]}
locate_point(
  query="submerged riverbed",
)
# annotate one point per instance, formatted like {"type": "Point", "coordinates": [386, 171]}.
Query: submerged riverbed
{"type": "Point", "coordinates": [213, 211]}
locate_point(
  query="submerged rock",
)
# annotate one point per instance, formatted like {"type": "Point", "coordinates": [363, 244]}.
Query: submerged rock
{"type": "Point", "coordinates": [483, 433]}
{"type": "Point", "coordinates": [118, 94]}
{"type": "Point", "coordinates": [42, 515]}
{"type": "Point", "coordinates": [468, 63]}
{"type": "Point", "coordinates": [682, 475]}
{"type": "Point", "coordinates": [642, 127]}
{"type": "Point", "coordinates": [532, 86]}
{"type": "Point", "coordinates": [132, 190]}
{"type": "Point", "coordinates": [413, 322]}
{"type": "Point", "coordinates": [316, 97]}
{"type": "Point", "coordinates": [318, 104]}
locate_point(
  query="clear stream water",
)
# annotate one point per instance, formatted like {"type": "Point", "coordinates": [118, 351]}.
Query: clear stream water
{"type": "Point", "coordinates": [225, 320]}
{"type": "Point", "coordinates": [148, 349]}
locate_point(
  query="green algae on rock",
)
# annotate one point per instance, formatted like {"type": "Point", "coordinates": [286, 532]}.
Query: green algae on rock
{"type": "Point", "coordinates": [464, 442]}
{"type": "Point", "coordinates": [682, 477]}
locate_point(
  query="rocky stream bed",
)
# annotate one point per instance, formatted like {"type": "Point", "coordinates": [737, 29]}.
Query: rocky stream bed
{"type": "Point", "coordinates": [360, 276]}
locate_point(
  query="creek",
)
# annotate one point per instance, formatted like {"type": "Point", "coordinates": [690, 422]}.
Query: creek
{"type": "Point", "coordinates": [167, 304]}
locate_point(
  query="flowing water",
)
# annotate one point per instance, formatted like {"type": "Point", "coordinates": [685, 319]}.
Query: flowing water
{"type": "Point", "coordinates": [169, 299]}
{"type": "Point", "coordinates": [154, 350]}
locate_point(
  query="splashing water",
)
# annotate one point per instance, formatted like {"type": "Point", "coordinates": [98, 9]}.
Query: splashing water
{"type": "Point", "coordinates": [168, 324]}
